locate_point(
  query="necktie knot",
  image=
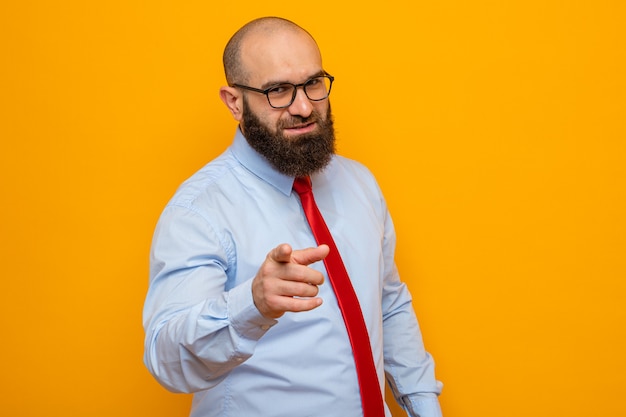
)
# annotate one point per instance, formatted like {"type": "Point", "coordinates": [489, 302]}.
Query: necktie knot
{"type": "Point", "coordinates": [302, 185]}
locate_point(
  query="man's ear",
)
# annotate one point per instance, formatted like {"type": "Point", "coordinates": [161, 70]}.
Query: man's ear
{"type": "Point", "coordinates": [233, 100]}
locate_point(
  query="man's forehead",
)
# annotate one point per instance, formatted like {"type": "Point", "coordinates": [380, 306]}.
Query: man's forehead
{"type": "Point", "coordinates": [260, 42]}
{"type": "Point", "coordinates": [280, 56]}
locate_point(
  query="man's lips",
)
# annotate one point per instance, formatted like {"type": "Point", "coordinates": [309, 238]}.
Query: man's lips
{"type": "Point", "coordinates": [301, 128]}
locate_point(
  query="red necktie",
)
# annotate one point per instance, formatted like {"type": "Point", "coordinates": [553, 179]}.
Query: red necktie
{"type": "Point", "coordinates": [371, 397]}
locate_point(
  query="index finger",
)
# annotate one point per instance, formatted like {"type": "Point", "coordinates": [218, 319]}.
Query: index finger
{"type": "Point", "coordinates": [310, 255]}
{"type": "Point", "coordinates": [281, 253]}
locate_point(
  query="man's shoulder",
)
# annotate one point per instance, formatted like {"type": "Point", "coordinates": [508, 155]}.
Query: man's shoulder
{"type": "Point", "coordinates": [348, 174]}
{"type": "Point", "coordinates": [348, 163]}
{"type": "Point", "coordinates": [348, 167]}
{"type": "Point", "coordinates": [210, 176]}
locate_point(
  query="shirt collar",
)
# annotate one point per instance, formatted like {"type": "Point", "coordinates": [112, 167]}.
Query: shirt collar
{"type": "Point", "coordinates": [259, 165]}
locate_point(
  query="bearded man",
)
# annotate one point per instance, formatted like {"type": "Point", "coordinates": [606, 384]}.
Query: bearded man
{"type": "Point", "coordinates": [246, 308]}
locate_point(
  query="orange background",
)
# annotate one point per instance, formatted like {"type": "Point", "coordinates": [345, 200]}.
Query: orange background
{"type": "Point", "coordinates": [495, 128]}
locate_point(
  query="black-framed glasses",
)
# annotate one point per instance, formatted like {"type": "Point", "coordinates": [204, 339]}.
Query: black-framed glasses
{"type": "Point", "coordinates": [283, 95]}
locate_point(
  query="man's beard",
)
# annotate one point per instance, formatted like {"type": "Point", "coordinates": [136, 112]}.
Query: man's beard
{"type": "Point", "coordinates": [297, 157]}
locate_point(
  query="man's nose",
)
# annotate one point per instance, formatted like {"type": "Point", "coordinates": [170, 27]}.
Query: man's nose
{"type": "Point", "coordinates": [301, 105]}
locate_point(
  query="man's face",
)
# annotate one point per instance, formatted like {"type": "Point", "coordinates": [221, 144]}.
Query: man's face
{"type": "Point", "coordinates": [298, 140]}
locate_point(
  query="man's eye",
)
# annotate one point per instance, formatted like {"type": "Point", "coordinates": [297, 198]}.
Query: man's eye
{"type": "Point", "coordinates": [279, 89]}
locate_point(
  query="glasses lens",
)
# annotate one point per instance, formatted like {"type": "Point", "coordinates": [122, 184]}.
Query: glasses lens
{"type": "Point", "coordinates": [317, 88]}
{"type": "Point", "coordinates": [281, 95]}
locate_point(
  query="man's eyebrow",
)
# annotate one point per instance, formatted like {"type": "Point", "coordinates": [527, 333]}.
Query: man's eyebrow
{"type": "Point", "coordinates": [278, 82]}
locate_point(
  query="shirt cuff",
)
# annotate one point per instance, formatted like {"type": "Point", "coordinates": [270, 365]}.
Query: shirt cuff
{"type": "Point", "coordinates": [422, 405]}
{"type": "Point", "coordinates": [243, 315]}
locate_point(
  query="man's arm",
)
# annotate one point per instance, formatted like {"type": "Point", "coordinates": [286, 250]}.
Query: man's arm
{"type": "Point", "coordinates": [408, 366]}
{"type": "Point", "coordinates": [196, 330]}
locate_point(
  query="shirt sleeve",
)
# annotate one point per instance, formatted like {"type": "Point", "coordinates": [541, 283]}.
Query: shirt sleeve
{"type": "Point", "coordinates": [409, 368]}
{"type": "Point", "coordinates": [197, 330]}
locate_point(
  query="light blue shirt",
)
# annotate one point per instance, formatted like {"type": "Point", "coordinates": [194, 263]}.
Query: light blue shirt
{"type": "Point", "coordinates": [205, 335]}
